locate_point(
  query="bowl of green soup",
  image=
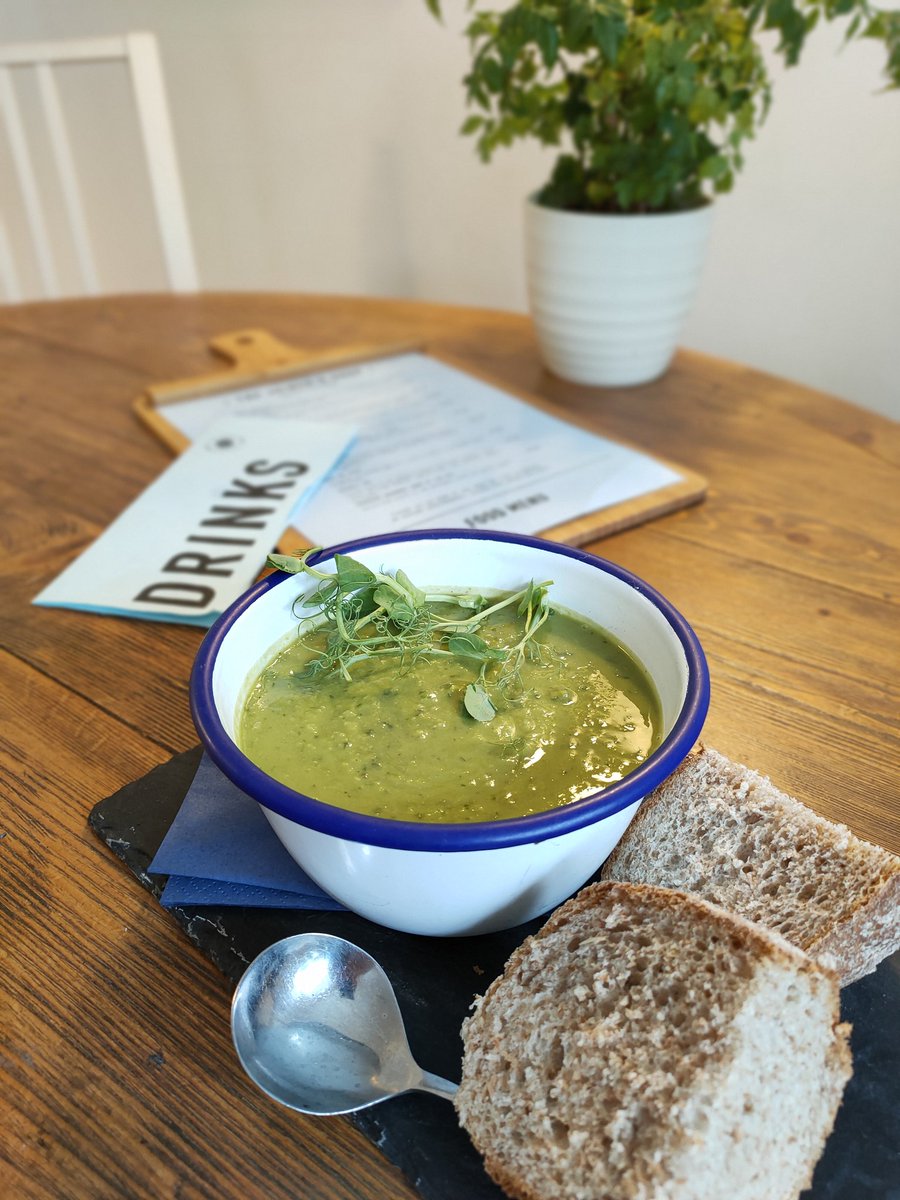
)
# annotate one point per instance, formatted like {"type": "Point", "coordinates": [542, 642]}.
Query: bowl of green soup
{"type": "Point", "coordinates": [449, 730]}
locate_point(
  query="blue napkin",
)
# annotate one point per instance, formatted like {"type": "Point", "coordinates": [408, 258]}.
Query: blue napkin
{"type": "Point", "coordinates": [221, 850]}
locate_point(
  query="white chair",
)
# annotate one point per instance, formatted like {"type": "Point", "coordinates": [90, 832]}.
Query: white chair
{"type": "Point", "coordinates": [51, 216]}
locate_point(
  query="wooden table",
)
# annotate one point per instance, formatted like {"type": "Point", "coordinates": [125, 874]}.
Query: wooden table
{"type": "Point", "coordinates": [117, 1076]}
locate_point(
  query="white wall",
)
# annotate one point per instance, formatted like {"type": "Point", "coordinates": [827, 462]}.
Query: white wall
{"type": "Point", "coordinates": [319, 148]}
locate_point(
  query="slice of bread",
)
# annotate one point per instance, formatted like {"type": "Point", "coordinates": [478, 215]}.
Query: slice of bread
{"type": "Point", "coordinates": [724, 832]}
{"type": "Point", "coordinates": [646, 1045]}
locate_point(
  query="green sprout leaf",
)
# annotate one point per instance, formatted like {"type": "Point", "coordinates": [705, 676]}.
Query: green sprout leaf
{"type": "Point", "coordinates": [397, 607]}
{"type": "Point", "coordinates": [478, 703]}
{"type": "Point", "coordinates": [285, 562]}
{"type": "Point", "coordinates": [350, 573]}
{"type": "Point", "coordinates": [470, 645]}
{"type": "Point", "coordinates": [416, 595]}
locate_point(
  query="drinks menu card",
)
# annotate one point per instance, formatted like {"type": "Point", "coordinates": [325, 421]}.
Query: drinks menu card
{"type": "Point", "coordinates": [196, 538]}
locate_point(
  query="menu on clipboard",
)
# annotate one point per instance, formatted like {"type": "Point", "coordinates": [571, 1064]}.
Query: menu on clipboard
{"type": "Point", "coordinates": [438, 446]}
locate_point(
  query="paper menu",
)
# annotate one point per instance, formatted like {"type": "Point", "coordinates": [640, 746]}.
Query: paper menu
{"type": "Point", "coordinates": [197, 537]}
{"type": "Point", "coordinates": [438, 447]}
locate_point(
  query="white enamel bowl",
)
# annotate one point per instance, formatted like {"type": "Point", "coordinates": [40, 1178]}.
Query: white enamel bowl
{"type": "Point", "coordinates": [445, 880]}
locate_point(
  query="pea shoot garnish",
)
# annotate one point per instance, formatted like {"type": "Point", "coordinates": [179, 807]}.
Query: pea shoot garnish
{"type": "Point", "coordinates": [374, 614]}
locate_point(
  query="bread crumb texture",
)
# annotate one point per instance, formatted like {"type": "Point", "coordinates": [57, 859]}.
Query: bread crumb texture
{"type": "Point", "coordinates": [646, 1045]}
{"type": "Point", "coordinates": [726, 833]}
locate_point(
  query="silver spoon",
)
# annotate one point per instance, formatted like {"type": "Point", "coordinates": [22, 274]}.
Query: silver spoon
{"type": "Point", "coordinates": [317, 1027]}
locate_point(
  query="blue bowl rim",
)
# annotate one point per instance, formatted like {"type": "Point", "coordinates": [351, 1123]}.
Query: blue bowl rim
{"type": "Point", "coordinates": [448, 838]}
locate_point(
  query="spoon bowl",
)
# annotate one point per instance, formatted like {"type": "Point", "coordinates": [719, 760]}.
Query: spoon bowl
{"type": "Point", "coordinates": [317, 1027]}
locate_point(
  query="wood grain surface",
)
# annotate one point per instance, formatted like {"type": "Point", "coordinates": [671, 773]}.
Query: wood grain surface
{"type": "Point", "coordinates": [117, 1077]}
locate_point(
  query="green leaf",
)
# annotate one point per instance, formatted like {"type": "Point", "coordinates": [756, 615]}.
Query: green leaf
{"type": "Point", "coordinates": [350, 573]}
{"type": "Point", "coordinates": [396, 606]}
{"type": "Point", "coordinates": [416, 595]}
{"type": "Point", "coordinates": [478, 703]}
{"type": "Point", "coordinates": [470, 645]}
{"type": "Point", "coordinates": [547, 38]}
{"type": "Point", "coordinates": [715, 167]}
{"type": "Point", "coordinates": [534, 600]}
{"type": "Point", "coordinates": [322, 595]}
{"type": "Point", "coordinates": [576, 25]}
{"type": "Point", "coordinates": [608, 34]}
{"type": "Point", "coordinates": [493, 74]}
{"type": "Point", "coordinates": [288, 563]}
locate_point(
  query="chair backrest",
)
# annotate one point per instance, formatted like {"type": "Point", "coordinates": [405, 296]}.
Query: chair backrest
{"type": "Point", "coordinates": [33, 166]}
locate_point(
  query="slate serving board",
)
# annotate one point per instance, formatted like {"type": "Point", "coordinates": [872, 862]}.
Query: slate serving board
{"type": "Point", "coordinates": [436, 979]}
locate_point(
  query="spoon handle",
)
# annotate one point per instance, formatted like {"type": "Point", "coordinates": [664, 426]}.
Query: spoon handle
{"type": "Point", "coordinates": [437, 1086]}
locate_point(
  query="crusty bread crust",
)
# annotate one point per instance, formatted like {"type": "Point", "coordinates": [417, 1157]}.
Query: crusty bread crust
{"type": "Point", "coordinates": [764, 942]}
{"type": "Point", "coordinates": [867, 934]}
{"type": "Point", "coordinates": [595, 983]}
{"type": "Point", "coordinates": [854, 915]}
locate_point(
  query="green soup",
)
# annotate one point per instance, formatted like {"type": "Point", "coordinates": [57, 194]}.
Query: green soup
{"type": "Point", "coordinates": [396, 741]}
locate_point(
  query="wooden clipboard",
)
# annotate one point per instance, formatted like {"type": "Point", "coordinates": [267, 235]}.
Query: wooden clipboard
{"type": "Point", "coordinates": [256, 357]}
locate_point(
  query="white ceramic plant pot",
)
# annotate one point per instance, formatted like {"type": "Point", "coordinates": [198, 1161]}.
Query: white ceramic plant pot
{"type": "Point", "coordinates": [609, 293]}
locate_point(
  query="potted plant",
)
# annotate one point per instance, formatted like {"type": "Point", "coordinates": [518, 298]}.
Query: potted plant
{"type": "Point", "coordinates": [650, 102]}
